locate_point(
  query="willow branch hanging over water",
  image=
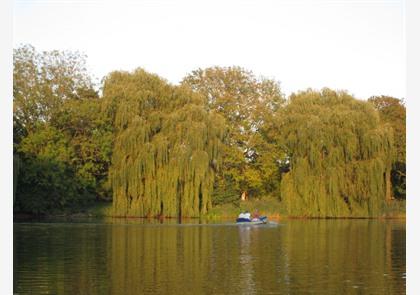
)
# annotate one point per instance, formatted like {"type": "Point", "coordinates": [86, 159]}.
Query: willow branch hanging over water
{"type": "Point", "coordinates": [166, 148]}
{"type": "Point", "coordinates": [340, 156]}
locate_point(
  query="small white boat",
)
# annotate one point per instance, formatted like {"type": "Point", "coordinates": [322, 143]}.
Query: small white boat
{"type": "Point", "coordinates": [255, 221]}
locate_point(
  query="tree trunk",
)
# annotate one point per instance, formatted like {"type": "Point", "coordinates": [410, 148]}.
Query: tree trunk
{"type": "Point", "coordinates": [388, 188]}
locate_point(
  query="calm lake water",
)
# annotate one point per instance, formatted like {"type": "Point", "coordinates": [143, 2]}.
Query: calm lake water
{"type": "Point", "coordinates": [135, 257]}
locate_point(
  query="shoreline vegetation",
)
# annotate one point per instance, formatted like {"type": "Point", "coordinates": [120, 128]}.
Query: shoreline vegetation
{"type": "Point", "coordinates": [271, 208]}
{"type": "Point", "coordinates": [219, 142]}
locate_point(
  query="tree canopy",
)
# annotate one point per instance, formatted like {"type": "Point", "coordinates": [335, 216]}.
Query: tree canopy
{"type": "Point", "coordinates": [392, 111]}
{"type": "Point", "coordinates": [42, 81]}
{"type": "Point", "coordinates": [247, 104]}
{"type": "Point", "coordinates": [62, 142]}
{"type": "Point", "coordinates": [340, 155]}
{"type": "Point", "coordinates": [157, 149]}
{"type": "Point", "coordinates": [166, 146]}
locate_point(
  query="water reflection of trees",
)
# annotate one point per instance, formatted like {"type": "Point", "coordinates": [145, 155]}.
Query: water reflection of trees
{"type": "Point", "coordinates": [59, 259]}
{"type": "Point", "coordinates": [165, 260]}
{"type": "Point", "coordinates": [338, 257]}
{"type": "Point", "coordinates": [194, 260]}
{"type": "Point", "coordinates": [344, 255]}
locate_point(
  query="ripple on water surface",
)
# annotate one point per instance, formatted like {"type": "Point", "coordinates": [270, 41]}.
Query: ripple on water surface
{"type": "Point", "coordinates": [295, 257]}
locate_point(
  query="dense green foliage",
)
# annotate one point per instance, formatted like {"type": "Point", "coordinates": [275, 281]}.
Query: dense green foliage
{"type": "Point", "coordinates": [62, 141]}
{"type": "Point", "coordinates": [166, 147]}
{"type": "Point", "coordinates": [339, 154]}
{"type": "Point", "coordinates": [16, 166]}
{"type": "Point", "coordinates": [247, 104]}
{"type": "Point", "coordinates": [156, 149]}
{"type": "Point", "coordinates": [392, 111]}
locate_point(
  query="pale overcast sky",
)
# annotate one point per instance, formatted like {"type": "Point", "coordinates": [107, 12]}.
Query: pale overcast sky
{"type": "Point", "coordinates": [353, 45]}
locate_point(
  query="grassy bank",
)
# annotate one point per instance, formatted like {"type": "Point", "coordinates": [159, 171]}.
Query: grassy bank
{"type": "Point", "coordinates": [270, 207]}
{"type": "Point", "coordinates": [395, 209]}
{"type": "Point", "coordinates": [100, 209]}
{"type": "Point", "coordinates": [275, 209]}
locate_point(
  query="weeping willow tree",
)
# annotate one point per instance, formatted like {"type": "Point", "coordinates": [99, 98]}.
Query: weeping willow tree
{"type": "Point", "coordinates": [340, 156]}
{"type": "Point", "coordinates": [166, 148]}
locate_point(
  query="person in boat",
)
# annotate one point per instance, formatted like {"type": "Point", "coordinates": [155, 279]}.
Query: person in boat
{"type": "Point", "coordinates": [245, 215]}
{"type": "Point", "coordinates": [255, 215]}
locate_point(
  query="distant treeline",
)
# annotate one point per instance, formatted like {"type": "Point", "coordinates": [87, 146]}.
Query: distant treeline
{"type": "Point", "coordinates": [157, 149]}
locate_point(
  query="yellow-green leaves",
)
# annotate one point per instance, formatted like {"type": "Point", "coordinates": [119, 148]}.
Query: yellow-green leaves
{"type": "Point", "coordinates": [339, 155]}
{"type": "Point", "coordinates": [392, 112]}
{"type": "Point", "coordinates": [43, 80]}
{"type": "Point", "coordinates": [248, 105]}
{"type": "Point", "coordinates": [166, 147]}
